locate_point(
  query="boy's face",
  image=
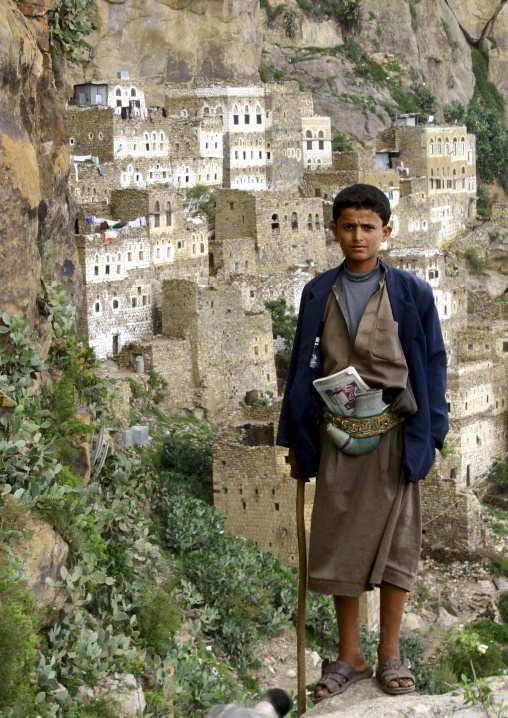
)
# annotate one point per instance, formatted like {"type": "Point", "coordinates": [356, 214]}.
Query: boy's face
{"type": "Point", "coordinates": [360, 233]}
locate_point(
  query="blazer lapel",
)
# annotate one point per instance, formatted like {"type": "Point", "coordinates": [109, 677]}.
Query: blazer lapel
{"type": "Point", "coordinates": [312, 315]}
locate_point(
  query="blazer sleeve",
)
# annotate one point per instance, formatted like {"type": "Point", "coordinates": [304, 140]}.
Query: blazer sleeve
{"type": "Point", "coordinates": [283, 432]}
{"type": "Point", "coordinates": [436, 369]}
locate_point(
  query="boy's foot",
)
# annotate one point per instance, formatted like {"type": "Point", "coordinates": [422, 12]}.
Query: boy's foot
{"type": "Point", "coordinates": [337, 676]}
{"type": "Point", "coordinates": [394, 676]}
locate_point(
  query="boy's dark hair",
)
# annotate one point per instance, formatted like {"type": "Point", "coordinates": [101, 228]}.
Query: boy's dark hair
{"type": "Point", "coordinates": [362, 196]}
{"type": "Point", "coordinates": [279, 700]}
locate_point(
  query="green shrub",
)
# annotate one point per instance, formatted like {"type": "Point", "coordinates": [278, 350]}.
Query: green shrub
{"type": "Point", "coordinates": [158, 617]}
{"type": "Point", "coordinates": [483, 203]}
{"type": "Point", "coordinates": [498, 473]}
{"type": "Point", "coordinates": [414, 15]}
{"type": "Point", "coordinates": [474, 263]}
{"type": "Point", "coordinates": [68, 24]}
{"type": "Point", "coordinates": [18, 641]}
{"type": "Point", "coordinates": [67, 514]}
{"type": "Point", "coordinates": [340, 143]}
{"type": "Point", "coordinates": [349, 13]}
{"type": "Point", "coordinates": [272, 13]}
{"type": "Point", "coordinates": [503, 610]}
{"type": "Point", "coordinates": [265, 73]}
{"type": "Point", "coordinates": [499, 566]}
{"type": "Point", "coordinates": [485, 664]}
{"type": "Point", "coordinates": [291, 19]}
{"type": "Point", "coordinates": [284, 320]}
{"type": "Point", "coordinates": [484, 88]}
{"type": "Point", "coordinates": [426, 100]}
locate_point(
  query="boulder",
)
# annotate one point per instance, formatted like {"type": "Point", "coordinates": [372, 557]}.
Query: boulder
{"type": "Point", "coordinates": [43, 553]}
{"type": "Point", "coordinates": [124, 692]}
{"type": "Point", "coordinates": [366, 698]}
{"type": "Point", "coordinates": [473, 16]}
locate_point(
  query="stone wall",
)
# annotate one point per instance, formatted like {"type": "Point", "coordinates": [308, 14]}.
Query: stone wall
{"type": "Point", "coordinates": [232, 352]}
{"type": "Point", "coordinates": [288, 231]}
{"type": "Point", "coordinates": [451, 514]}
{"type": "Point", "coordinates": [253, 489]}
{"type": "Point", "coordinates": [90, 132]}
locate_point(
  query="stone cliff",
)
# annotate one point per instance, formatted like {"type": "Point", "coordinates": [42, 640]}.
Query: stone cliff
{"type": "Point", "coordinates": [178, 40]}
{"type": "Point", "coordinates": [34, 200]}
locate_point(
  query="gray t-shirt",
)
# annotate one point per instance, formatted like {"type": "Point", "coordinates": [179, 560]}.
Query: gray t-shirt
{"type": "Point", "coordinates": [358, 289]}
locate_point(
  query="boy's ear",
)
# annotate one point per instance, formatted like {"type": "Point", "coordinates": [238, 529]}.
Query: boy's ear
{"type": "Point", "coordinates": [334, 229]}
{"type": "Point", "coordinates": [387, 230]}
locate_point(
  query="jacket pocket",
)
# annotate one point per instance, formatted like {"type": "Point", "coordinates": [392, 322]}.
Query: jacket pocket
{"type": "Point", "coordinates": [385, 340]}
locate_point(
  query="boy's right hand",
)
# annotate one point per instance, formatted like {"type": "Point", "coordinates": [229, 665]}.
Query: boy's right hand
{"type": "Point", "coordinates": [293, 465]}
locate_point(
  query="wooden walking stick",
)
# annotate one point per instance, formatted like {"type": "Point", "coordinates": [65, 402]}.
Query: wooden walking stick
{"type": "Point", "coordinates": [302, 588]}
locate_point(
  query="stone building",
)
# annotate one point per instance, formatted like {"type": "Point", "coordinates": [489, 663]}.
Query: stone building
{"type": "Point", "coordinates": [211, 351]}
{"type": "Point", "coordinates": [263, 129]}
{"type": "Point", "coordinates": [252, 486]}
{"type": "Point", "coordinates": [124, 266]}
{"type": "Point", "coordinates": [263, 232]}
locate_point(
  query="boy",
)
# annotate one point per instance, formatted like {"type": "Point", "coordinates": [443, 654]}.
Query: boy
{"type": "Point", "coordinates": [366, 520]}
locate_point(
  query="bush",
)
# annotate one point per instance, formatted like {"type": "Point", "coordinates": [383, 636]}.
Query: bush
{"type": "Point", "coordinates": [425, 99]}
{"type": "Point", "coordinates": [498, 473]}
{"type": "Point", "coordinates": [349, 13]}
{"type": "Point", "coordinates": [340, 143]}
{"type": "Point", "coordinates": [474, 263]}
{"type": "Point", "coordinates": [271, 13]}
{"type": "Point", "coordinates": [503, 609]}
{"type": "Point", "coordinates": [483, 203]}
{"type": "Point", "coordinates": [158, 617]}
{"type": "Point", "coordinates": [265, 73]}
{"type": "Point", "coordinates": [18, 641]}
{"type": "Point", "coordinates": [284, 322]}
{"type": "Point", "coordinates": [291, 19]}
{"type": "Point", "coordinates": [485, 664]}
{"type": "Point", "coordinates": [68, 24]}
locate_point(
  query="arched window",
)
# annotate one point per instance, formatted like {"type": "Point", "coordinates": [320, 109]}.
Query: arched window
{"type": "Point", "coordinates": [431, 147]}
{"type": "Point", "coordinates": [206, 110]}
{"type": "Point", "coordinates": [156, 216]}
{"type": "Point", "coordinates": [321, 133]}
{"type": "Point", "coordinates": [118, 92]}
{"type": "Point", "coordinates": [170, 252]}
{"type": "Point", "coordinates": [168, 214]}
{"type": "Point", "coordinates": [133, 92]}
{"type": "Point", "coordinates": [308, 133]}
{"type": "Point", "coordinates": [309, 222]}
{"type": "Point", "coordinates": [316, 221]}
{"type": "Point", "coordinates": [275, 223]}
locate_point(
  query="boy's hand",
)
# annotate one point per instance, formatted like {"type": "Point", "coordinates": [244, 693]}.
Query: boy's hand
{"type": "Point", "coordinates": [294, 468]}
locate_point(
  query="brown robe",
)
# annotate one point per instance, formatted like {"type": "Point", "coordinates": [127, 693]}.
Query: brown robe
{"type": "Point", "coordinates": [366, 520]}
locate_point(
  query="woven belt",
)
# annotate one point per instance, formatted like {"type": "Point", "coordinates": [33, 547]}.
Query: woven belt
{"type": "Point", "coordinates": [361, 428]}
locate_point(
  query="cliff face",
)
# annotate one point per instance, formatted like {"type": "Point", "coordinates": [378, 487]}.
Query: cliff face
{"type": "Point", "coordinates": [33, 157]}
{"type": "Point", "coordinates": [177, 40]}
{"type": "Point", "coordinates": [174, 41]}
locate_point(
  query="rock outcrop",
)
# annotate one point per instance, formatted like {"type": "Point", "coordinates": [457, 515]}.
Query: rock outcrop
{"type": "Point", "coordinates": [367, 699]}
{"type": "Point", "coordinates": [43, 552]}
{"type": "Point", "coordinates": [174, 41]}
{"type": "Point", "coordinates": [34, 200]}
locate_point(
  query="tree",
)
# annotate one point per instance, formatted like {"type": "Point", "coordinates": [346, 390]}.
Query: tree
{"type": "Point", "coordinates": [425, 99]}
{"type": "Point", "coordinates": [284, 321]}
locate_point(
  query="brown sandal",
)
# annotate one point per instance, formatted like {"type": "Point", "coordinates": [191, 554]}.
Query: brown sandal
{"type": "Point", "coordinates": [337, 676]}
{"type": "Point", "coordinates": [393, 669]}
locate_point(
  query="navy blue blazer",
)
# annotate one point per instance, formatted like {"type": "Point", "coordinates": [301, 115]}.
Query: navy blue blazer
{"type": "Point", "coordinates": [420, 335]}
